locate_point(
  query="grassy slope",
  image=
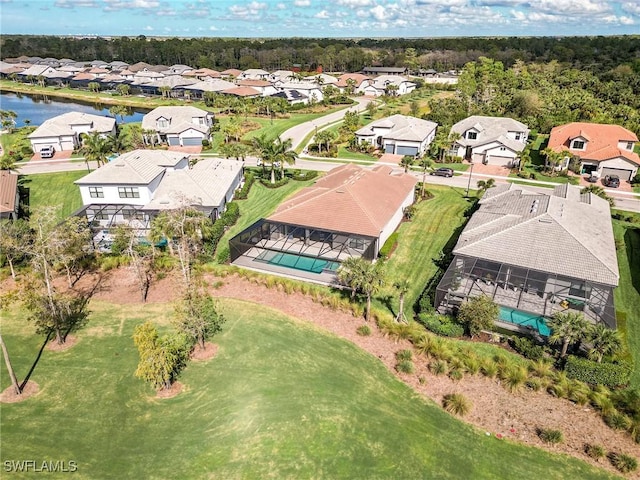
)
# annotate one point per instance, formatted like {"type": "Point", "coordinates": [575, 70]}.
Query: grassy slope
{"type": "Point", "coordinates": [280, 400]}
{"type": "Point", "coordinates": [627, 295]}
{"type": "Point", "coordinates": [422, 240]}
{"type": "Point", "coordinates": [55, 189]}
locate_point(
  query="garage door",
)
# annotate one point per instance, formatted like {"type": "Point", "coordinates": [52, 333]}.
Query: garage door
{"type": "Point", "coordinates": [173, 140]}
{"type": "Point", "coordinates": [624, 175]}
{"type": "Point", "coordinates": [191, 141]}
{"type": "Point", "coordinates": [413, 151]}
{"type": "Point", "coordinates": [389, 148]}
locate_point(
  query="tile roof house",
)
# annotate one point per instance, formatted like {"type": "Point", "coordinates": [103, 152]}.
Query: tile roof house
{"type": "Point", "coordinates": [389, 85]}
{"type": "Point", "coordinates": [536, 254]}
{"type": "Point", "coordinates": [253, 74]}
{"type": "Point", "coordinates": [357, 81]}
{"type": "Point", "coordinates": [246, 92]}
{"type": "Point", "coordinates": [63, 132]}
{"type": "Point", "coordinates": [490, 140]}
{"type": "Point", "coordinates": [602, 149]}
{"type": "Point", "coordinates": [9, 195]}
{"type": "Point", "coordinates": [134, 187]}
{"type": "Point", "coordinates": [351, 211]}
{"type": "Point", "coordinates": [231, 72]}
{"type": "Point", "coordinates": [265, 87]}
{"type": "Point", "coordinates": [399, 134]}
{"type": "Point", "coordinates": [183, 126]}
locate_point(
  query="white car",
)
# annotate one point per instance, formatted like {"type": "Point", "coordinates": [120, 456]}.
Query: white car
{"type": "Point", "coordinates": [47, 152]}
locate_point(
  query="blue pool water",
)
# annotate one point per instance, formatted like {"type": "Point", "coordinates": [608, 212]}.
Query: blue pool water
{"type": "Point", "coordinates": [524, 319]}
{"type": "Point", "coordinates": [298, 262]}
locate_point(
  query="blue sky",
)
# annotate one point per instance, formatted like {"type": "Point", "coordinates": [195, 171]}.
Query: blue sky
{"type": "Point", "coordinates": [320, 18]}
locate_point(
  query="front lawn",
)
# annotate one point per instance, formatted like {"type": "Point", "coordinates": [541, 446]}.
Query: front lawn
{"type": "Point", "coordinates": [54, 189]}
{"type": "Point", "coordinates": [281, 399]}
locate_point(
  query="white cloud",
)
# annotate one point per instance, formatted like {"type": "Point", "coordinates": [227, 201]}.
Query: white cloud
{"type": "Point", "coordinates": [570, 7]}
{"type": "Point", "coordinates": [355, 3]}
{"type": "Point", "coordinates": [148, 28]}
{"type": "Point", "coordinates": [111, 5]}
{"type": "Point", "coordinates": [378, 12]}
{"type": "Point", "coordinates": [250, 11]}
{"type": "Point", "coordinates": [302, 3]}
{"type": "Point", "coordinates": [75, 3]}
{"type": "Point", "coordinates": [213, 28]}
{"type": "Point", "coordinates": [631, 7]}
{"type": "Point", "coordinates": [322, 14]}
{"type": "Point", "coordinates": [281, 6]}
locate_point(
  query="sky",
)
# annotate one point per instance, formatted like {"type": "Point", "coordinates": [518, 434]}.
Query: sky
{"type": "Point", "coordinates": [320, 18]}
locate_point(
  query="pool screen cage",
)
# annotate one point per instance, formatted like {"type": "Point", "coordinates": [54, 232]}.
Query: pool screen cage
{"type": "Point", "coordinates": [524, 289]}
{"type": "Point", "coordinates": [266, 235]}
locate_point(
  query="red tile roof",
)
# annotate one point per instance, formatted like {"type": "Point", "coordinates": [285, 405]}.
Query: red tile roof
{"type": "Point", "coordinates": [242, 92]}
{"type": "Point", "coordinates": [253, 83]}
{"type": "Point", "coordinates": [358, 77]}
{"type": "Point", "coordinates": [8, 188]}
{"type": "Point", "coordinates": [232, 71]}
{"type": "Point", "coordinates": [349, 199]}
{"type": "Point", "coordinates": [602, 141]}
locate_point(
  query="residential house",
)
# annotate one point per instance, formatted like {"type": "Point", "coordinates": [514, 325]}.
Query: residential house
{"type": "Point", "coordinates": [536, 254]}
{"type": "Point", "coordinates": [63, 132]}
{"type": "Point", "coordinates": [253, 74]}
{"type": "Point", "coordinates": [244, 92]}
{"type": "Point", "coordinates": [384, 71]}
{"type": "Point", "coordinates": [393, 85]}
{"type": "Point", "coordinates": [263, 86]}
{"type": "Point", "coordinates": [215, 85]}
{"type": "Point", "coordinates": [399, 134]}
{"type": "Point", "coordinates": [312, 91]}
{"type": "Point", "coordinates": [490, 140]}
{"type": "Point", "coordinates": [231, 73]}
{"type": "Point", "coordinates": [350, 212]}
{"type": "Point", "coordinates": [183, 126]}
{"type": "Point", "coordinates": [602, 149]}
{"type": "Point", "coordinates": [9, 195]}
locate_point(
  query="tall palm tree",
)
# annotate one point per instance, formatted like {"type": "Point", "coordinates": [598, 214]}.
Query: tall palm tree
{"type": "Point", "coordinates": [119, 143]}
{"type": "Point", "coordinates": [263, 148]}
{"type": "Point", "coordinates": [403, 288]}
{"type": "Point", "coordinates": [484, 185]}
{"type": "Point", "coordinates": [567, 327]}
{"type": "Point", "coordinates": [95, 148]}
{"type": "Point", "coordinates": [283, 154]}
{"type": "Point", "coordinates": [599, 192]}
{"type": "Point", "coordinates": [362, 276]}
{"type": "Point", "coordinates": [373, 281]}
{"type": "Point", "coordinates": [426, 164]}
{"type": "Point", "coordinates": [604, 341]}
{"type": "Point", "coordinates": [406, 162]}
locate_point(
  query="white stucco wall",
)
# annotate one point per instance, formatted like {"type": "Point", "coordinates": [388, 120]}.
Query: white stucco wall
{"type": "Point", "coordinates": [391, 226]}
{"type": "Point", "coordinates": [618, 163]}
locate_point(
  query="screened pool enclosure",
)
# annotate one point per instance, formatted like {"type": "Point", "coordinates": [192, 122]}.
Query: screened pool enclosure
{"type": "Point", "coordinates": [296, 250]}
{"type": "Point", "coordinates": [524, 289]}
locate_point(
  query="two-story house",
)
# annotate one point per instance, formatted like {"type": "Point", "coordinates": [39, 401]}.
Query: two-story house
{"type": "Point", "coordinates": [183, 126]}
{"type": "Point", "coordinates": [602, 149]}
{"type": "Point", "coordinates": [490, 140]}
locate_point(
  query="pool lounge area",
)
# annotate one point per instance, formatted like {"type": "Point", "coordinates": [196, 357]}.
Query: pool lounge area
{"type": "Point", "coordinates": [523, 321]}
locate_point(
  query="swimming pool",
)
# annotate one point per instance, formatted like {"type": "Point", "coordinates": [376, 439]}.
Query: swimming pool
{"type": "Point", "coordinates": [524, 319]}
{"type": "Point", "coordinates": [298, 262]}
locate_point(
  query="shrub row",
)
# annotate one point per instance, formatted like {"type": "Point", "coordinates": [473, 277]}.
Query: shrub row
{"type": "Point", "coordinates": [441, 325]}
{"type": "Point", "coordinates": [389, 245]}
{"type": "Point", "coordinates": [228, 218]}
{"type": "Point", "coordinates": [527, 348]}
{"type": "Point", "coordinates": [243, 193]}
{"type": "Point", "coordinates": [302, 175]}
{"type": "Point", "coordinates": [611, 375]}
{"type": "Point", "coordinates": [267, 182]}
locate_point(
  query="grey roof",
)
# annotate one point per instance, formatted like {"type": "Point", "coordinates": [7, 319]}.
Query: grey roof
{"type": "Point", "coordinates": [401, 127]}
{"type": "Point", "coordinates": [492, 129]}
{"type": "Point", "coordinates": [61, 125]}
{"type": "Point", "coordinates": [214, 85]}
{"type": "Point", "coordinates": [565, 233]}
{"type": "Point", "coordinates": [138, 167]}
{"type": "Point", "coordinates": [180, 118]}
{"type": "Point", "coordinates": [206, 185]}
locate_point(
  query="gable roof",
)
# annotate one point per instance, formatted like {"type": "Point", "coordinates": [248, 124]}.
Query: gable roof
{"type": "Point", "coordinates": [8, 189]}
{"type": "Point", "coordinates": [493, 129]}
{"type": "Point", "coordinates": [180, 118]}
{"type": "Point", "coordinates": [402, 127]}
{"type": "Point", "coordinates": [242, 92]}
{"type": "Point", "coordinates": [61, 125]}
{"type": "Point", "coordinates": [348, 199]}
{"type": "Point", "coordinates": [213, 85]}
{"type": "Point", "coordinates": [138, 167]}
{"type": "Point", "coordinates": [565, 233]}
{"type": "Point", "coordinates": [602, 140]}
{"type": "Point", "coordinates": [357, 77]}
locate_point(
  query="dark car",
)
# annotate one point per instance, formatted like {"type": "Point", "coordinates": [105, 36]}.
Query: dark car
{"type": "Point", "coordinates": [592, 179]}
{"type": "Point", "coordinates": [443, 172]}
{"type": "Point", "coordinates": [612, 181]}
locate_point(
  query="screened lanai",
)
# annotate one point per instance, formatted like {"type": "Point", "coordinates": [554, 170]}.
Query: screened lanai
{"type": "Point", "coordinates": [296, 250]}
{"type": "Point", "coordinates": [524, 289]}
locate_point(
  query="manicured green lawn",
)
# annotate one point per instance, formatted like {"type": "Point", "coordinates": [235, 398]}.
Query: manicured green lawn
{"type": "Point", "coordinates": [627, 295]}
{"type": "Point", "coordinates": [422, 240]}
{"type": "Point", "coordinates": [281, 399]}
{"type": "Point", "coordinates": [54, 189]}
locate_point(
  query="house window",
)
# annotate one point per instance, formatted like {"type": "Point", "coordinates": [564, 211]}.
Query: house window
{"type": "Point", "coordinates": [128, 192]}
{"type": "Point", "coordinates": [163, 123]}
{"type": "Point", "coordinates": [96, 192]}
{"type": "Point", "coordinates": [502, 149]}
{"type": "Point", "coordinates": [578, 144]}
{"type": "Point", "coordinates": [356, 243]}
{"type": "Point", "coordinates": [518, 135]}
{"type": "Point", "coordinates": [579, 289]}
{"type": "Point", "coordinates": [472, 135]}
{"type": "Point", "coordinates": [629, 145]}
{"type": "Point", "coordinates": [132, 214]}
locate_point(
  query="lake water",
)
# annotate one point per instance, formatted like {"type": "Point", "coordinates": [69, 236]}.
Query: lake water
{"type": "Point", "coordinates": [38, 108]}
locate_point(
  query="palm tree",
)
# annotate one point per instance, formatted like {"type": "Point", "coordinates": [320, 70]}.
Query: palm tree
{"type": "Point", "coordinates": [123, 89]}
{"type": "Point", "coordinates": [406, 162]}
{"type": "Point", "coordinates": [93, 86]}
{"type": "Point", "coordinates": [598, 191]}
{"type": "Point", "coordinates": [484, 185]}
{"type": "Point", "coordinates": [604, 341]}
{"type": "Point", "coordinates": [362, 276]}
{"type": "Point", "coordinates": [326, 137]}
{"type": "Point", "coordinates": [426, 164]}
{"type": "Point", "coordinates": [402, 287]}
{"type": "Point", "coordinates": [351, 273]}
{"type": "Point", "coordinates": [283, 154]}
{"type": "Point", "coordinates": [263, 148]}
{"type": "Point", "coordinates": [165, 90]}
{"type": "Point", "coordinates": [119, 143]}
{"type": "Point", "coordinates": [351, 86]}
{"type": "Point", "coordinates": [95, 148]}
{"type": "Point", "coordinates": [373, 281]}
{"type": "Point", "coordinates": [567, 327]}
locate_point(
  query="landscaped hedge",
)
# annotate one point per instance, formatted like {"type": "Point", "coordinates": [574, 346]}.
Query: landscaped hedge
{"type": "Point", "coordinates": [228, 218]}
{"type": "Point", "coordinates": [243, 193]}
{"type": "Point", "coordinates": [304, 175]}
{"type": "Point", "coordinates": [527, 348]}
{"type": "Point", "coordinates": [441, 325]}
{"type": "Point", "coordinates": [267, 182]}
{"type": "Point", "coordinates": [611, 375]}
{"type": "Point", "coordinates": [389, 245]}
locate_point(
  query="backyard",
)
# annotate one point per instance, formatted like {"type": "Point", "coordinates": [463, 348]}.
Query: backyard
{"type": "Point", "coordinates": [281, 399]}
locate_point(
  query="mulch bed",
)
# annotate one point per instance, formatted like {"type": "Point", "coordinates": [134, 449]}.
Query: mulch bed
{"type": "Point", "coordinates": [54, 346]}
{"type": "Point", "coordinates": [200, 354]}
{"type": "Point", "coordinates": [9, 394]}
{"type": "Point", "coordinates": [171, 392]}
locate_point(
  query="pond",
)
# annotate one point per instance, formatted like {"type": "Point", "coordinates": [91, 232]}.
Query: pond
{"type": "Point", "coordinates": [35, 109]}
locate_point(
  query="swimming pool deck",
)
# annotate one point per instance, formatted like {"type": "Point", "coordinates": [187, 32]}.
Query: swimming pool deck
{"type": "Point", "coordinates": [324, 278]}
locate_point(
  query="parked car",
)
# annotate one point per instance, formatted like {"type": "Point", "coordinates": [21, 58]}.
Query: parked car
{"type": "Point", "coordinates": [47, 152]}
{"type": "Point", "coordinates": [443, 172]}
{"type": "Point", "coordinates": [612, 181]}
{"type": "Point", "coordinates": [592, 178]}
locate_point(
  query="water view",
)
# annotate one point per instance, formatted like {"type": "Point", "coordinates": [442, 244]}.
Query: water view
{"type": "Point", "coordinates": [35, 109]}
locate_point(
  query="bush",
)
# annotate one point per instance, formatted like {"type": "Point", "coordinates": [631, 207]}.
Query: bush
{"type": "Point", "coordinates": [404, 355]}
{"type": "Point", "coordinates": [441, 325]}
{"type": "Point", "coordinates": [389, 245]}
{"type": "Point", "coordinates": [549, 435]}
{"type": "Point", "coordinates": [478, 313]}
{"type": "Point", "coordinates": [243, 193]}
{"type": "Point", "coordinates": [304, 175]}
{"type": "Point", "coordinates": [527, 348]}
{"type": "Point", "coordinates": [215, 233]}
{"type": "Point", "coordinates": [438, 367]}
{"type": "Point", "coordinates": [617, 420]}
{"type": "Point", "coordinates": [363, 330]}
{"type": "Point", "coordinates": [611, 375]}
{"type": "Point", "coordinates": [456, 404]}
{"type": "Point", "coordinates": [636, 180]}
{"type": "Point", "coordinates": [624, 463]}
{"type": "Point", "coordinates": [456, 374]}
{"type": "Point", "coordinates": [267, 182]}
{"type": "Point", "coordinates": [405, 366]}
{"type": "Point", "coordinates": [205, 143]}
{"type": "Point", "coordinates": [594, 451]}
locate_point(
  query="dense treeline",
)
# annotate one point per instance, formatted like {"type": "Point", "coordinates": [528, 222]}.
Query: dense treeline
{"type": "Point", "coordinates": [593, 53]}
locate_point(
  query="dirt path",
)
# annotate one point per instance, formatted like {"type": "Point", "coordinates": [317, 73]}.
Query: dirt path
{"type": "Point", "coordinates": [495, 410]}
